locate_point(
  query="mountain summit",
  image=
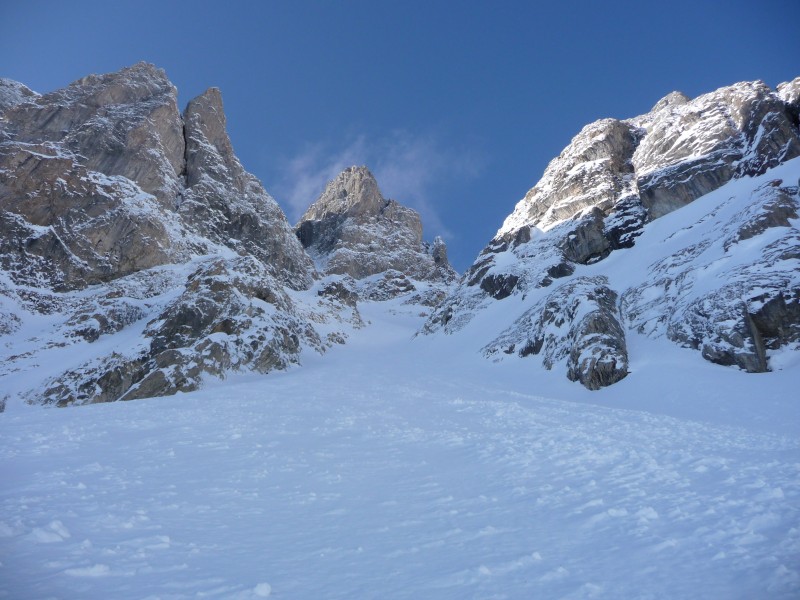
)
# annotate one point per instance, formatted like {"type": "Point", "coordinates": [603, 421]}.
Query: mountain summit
{"type": "Point", "coordinates": [353, 230]}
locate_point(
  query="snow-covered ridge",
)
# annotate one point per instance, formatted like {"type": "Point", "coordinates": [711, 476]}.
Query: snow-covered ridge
{"type": "Point", "coordinates": [737, 130]}
{"type": "Point", "coordinates": [730, 291]}
{"type": "Point", "coordinates": [13, 93]}
{"type": "Point", "coordinates": [720, 276]}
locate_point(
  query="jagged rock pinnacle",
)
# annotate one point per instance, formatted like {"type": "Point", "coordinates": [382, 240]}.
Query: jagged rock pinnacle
{"type": "Point", "coordinates": [353, 230]}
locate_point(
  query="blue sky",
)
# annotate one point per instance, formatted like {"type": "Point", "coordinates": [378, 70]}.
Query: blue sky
{"type": "Point", "coordinates": [457, 107]}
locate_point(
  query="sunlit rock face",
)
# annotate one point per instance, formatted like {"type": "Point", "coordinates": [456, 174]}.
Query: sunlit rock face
{"type": "Point", "coordinates": [138, 257]}
{"type": "Point", "coordinates": [88, 177]}
{"type": "Point", "coordinates": [122, 217]}
{"type": "Point", "coordinates": [353, 230]}
{"type": "Point", "coordinates": [613, 179]}
{"type": "Point", "coordinates": [125, 123]}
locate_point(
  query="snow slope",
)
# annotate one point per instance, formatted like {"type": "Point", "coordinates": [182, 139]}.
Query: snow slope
{"type": "Point", "coordinates": [691, 277]}
{"type": "Point", "coordinates": [392, 468]}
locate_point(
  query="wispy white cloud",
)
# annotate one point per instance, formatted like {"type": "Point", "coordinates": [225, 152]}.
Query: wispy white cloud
{"type": "Point", "coordinates": [303, 177]}
{"type": "Point", "coordinates": [411, 169]}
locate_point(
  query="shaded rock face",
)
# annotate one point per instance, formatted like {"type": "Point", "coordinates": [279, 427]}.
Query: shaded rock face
{"type": "Point", "coordinates": [107, 193]}
{"type": "Point", "coordinates": [230, 315]}
{"type": "Point", "coordinates": [577, 323]}
{"type": "Point", "coordinates": [615, 177]}
{"type": "Point", "coordinates": [749, 303]}
{"type": "Point", "coordinates": [180, 325]}
{"type": "Point", "coordinates": [352, 230]}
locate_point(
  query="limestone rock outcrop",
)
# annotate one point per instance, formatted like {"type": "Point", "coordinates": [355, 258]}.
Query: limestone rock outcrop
{"type": "Point", "coordinates": [65, 226]}
{"type": "Point", "coordinates": [353, 230]}
{"type": "Point", "coordinates": [733, 291]}
{"type": "Point", "coordinates": [617, 175]}
{"type": "Point", "coordinates": [120, 181]}
{"type": "Point", "coordinates": [230, 206]}
{"type": "Point", "coordinates": [691, 148]}
{"type": "Point", "coordinates": [577, 322]}
{"type": "Point", "coordinates": [230, 315]}
{"type": "Point", "coordinates": [138, 257]}
{"type": "Point", "coordinates": [125, 123]}
{"type": "Point", "coordinates": [13, 93]}
{"type": "Point", "coordinates": [88, 175]}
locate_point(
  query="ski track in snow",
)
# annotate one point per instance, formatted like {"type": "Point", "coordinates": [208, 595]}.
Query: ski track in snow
{"type": "Point", "coordinates": [379, 474]}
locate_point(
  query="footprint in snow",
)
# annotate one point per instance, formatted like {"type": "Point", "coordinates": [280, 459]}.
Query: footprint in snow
{"type": "Point", "coordinates": [52, 533]}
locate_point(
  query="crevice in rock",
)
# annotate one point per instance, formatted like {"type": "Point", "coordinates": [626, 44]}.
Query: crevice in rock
{"type": "Point", "coordinates": [184, 174]}
{"type": "Point", "coordinates": [758, 341]}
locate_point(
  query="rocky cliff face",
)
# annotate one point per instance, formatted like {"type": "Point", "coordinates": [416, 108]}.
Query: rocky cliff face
{"type": "Point", "coordinates": [121, 181]}
{"type": "Point", "coordinates": [124, 123]}
{"type": "Point", "coordinates": [229, 206]}
{"type": "Point", "coordinates": [598, 196]}
{"type": "Point", "coordinates": [221, 315]}
{"type": "Point", "coordinates": [82, 197]}
{"type": "Point", "coordinates": [731, 287]}
{"type": "Point", "coordinates": [13, 93]}
{"type": "Point", "coordinates": [120, 215]}
{"type": "Point", "coordinates": [353, 230]}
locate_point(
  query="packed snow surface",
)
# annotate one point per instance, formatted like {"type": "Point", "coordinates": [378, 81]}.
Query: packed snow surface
{"type": "Point", "coordinates": [395, 467]}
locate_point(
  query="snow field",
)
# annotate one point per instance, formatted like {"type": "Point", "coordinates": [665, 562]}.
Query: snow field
{"type": "Point", "coordinates": [378, 471]}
